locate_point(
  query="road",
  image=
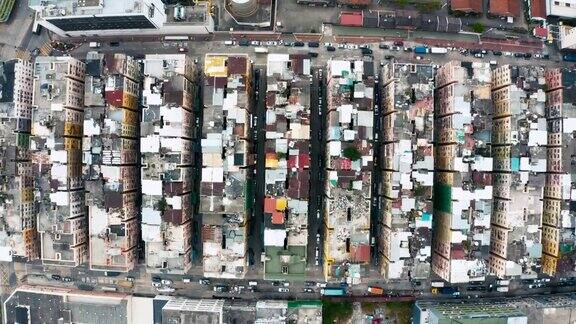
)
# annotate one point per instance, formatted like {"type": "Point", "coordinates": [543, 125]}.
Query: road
{"type": "Point", "coordinates": [256, 237]}
{"type": "Point", "coordinates": [315, 212]}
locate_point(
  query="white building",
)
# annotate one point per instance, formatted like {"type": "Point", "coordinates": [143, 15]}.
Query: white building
{"type": "Point", "coordinates": [561, 8]}
{"type": "Point", "coordinates": [83, 18]}
{"type": "Point", "coordinates": [567, 37]}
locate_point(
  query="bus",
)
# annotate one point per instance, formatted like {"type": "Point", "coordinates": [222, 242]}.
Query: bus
{"type": "Point", "coordinates": [176, 38]}
{"type": "Point", "coordinates": [333, 292]}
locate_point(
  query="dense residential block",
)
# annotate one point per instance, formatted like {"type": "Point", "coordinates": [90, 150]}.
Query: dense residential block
{"type": "Point", "coordinates": [111, 159]}
{"type": "Point", "coordinates": [166, 144]}
{"type": "Point", "coordinates": [407, 168]}
{"type": "Point", "coordinates": [463, 172]}
{"type": "Point", "coordinates": [349, 163]}
{"type": "Point", "coordinates": [56, 146]}
{"type": "Point", "coordinates": [18, 236]}
{"type": "Point", "coordinates": [558, 257]}
{"type": "Point", "coordinates": [287, 174]}
{"type": "Point", "coordinates": [226, 187]}
{"type": "Point", "coordinates": [519, 139]}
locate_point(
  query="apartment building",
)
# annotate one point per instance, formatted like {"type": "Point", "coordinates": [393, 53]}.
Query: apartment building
{"type": "Point", "coordinates": [167, 134]}
{"type": "Point", "coordinates": [349, 163]}
{"type": "Point", "coordinates": [407, 169]}
{"type": "Point", "coordinates": [56, 154]}
{"type": "Point", "coordinates": [519, 154]}
{"type": "Point", "coordinates": [111, 159]}
{"type": "Point", "coordinates": [287, 174]}
{"type": "Point", "coordinates": [18, 232]}
{"type": "Point", "coordinates": [463, 164]}
{"type": "Point", "coordinates": [226, 186]}
{"type": "Point", "coordinates": [558, 258]}
{"type": "Point", "coordinates": [99, 17]}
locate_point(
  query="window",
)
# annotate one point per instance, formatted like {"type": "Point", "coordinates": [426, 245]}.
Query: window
{"type": "Point", "coordinates": [556, 3]}
{"type": "Point", "coordinates": [567, 4]}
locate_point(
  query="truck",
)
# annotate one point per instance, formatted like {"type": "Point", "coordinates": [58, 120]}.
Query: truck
{"type": "Point", "coordinates": [260, 50]}
{"type": "Point", "coordinates": [421, 50]}
{"type": "Point", "coordinates": [438, 50]}
{"type": "Point", "coordinates": [125, 284]}
{"type": "Point", "coordinates": [375, 290]}
{"type": "Point", "coordinates": [332, 292]}
{"type": "Point", "coordinates": [569, 57]}
{"type": "Point", "coordinates": [437, 284]}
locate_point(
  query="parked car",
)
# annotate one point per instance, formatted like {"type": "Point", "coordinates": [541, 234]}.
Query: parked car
{"type": "Point", "coordinates": [518, 54]}
{"type": "Point", "coordinates": [114, 44]}
{"type": "Point", "coordinates": [130, 279]}
{"type": "Point", "coordinates": [310, 284]}
{"type": "Point", "coordinates": [204, 281]}
{"type": "Point", "coordinates": [298, 44]}
{"type": "Point", "coordinates": [313, 44]}
{"type": "Point", "coordinates": [244, 42]}
{"type": "Point", "coordinates": [330, 48]}
{"type": "Point", "coordinates": [308, 290]}
{"type": "Point", "coordinates": [186, 280]}
{"type": "Point", "coordinates": [497, 53]}
{"type": "Point", "coordinates": [383, 46]}
{"type": "Point", "coordinates": [255, 43]}
{"type": "Point", "coordinates": [67, 279]}
{"type": "Point", "coordinates": [283, 290]}
{"type": "Point", "coordinates": [366, 51]}
{"type": "Point", "coordinates": [166, 282]}
{"type": "Point", "coordinates": [398, 43]}
{"type": "Point", "coordinates": [56, 277]}
{"type": "Point", "coordinates": [313, 54]}
{"type": "Point", "coordinates": [221, 288]}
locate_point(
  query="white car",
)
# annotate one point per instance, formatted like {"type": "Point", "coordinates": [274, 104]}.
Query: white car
{"type": "Point", "coordinates": [418, 58]}
{"type": "Point", "coordinates": [321, 284]}
{"type": "Point", "coordinates": [507, 54]}
{"type": "Point", "coordinates": [271, 43]}
{"type": "Point", "coordinates": [283, 290]}
{"type": "Point", "coordinates": [166, 282]}
{"type": "Point", "coordinates": [327, 44]}
{"type": "Point", "coordinates": [341, 45]}
{"type": "Point", "coordinates": [156, 284]}
{"type": "Point", "coordinates": [255, 43]}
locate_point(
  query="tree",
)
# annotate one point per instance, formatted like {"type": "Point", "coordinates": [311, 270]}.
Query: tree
{"type": "Point", "coordinates": [401, 3]}
{"type": "Point", "coordinates": [478, 27]}
{"type": "Point", "coordinates": [352, 153]}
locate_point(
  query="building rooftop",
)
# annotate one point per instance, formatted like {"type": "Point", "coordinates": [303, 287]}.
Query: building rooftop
{"type": "Point", "coordinates": [407, 164]}
{"type": "Point", "coordinates": [349, 132]}
{"type": "Point", "coordinates": [33, 304]}
{"type": "Point", "coordinates": [287, 175]}
{"type": "Point", "coordinates": [59, 8]}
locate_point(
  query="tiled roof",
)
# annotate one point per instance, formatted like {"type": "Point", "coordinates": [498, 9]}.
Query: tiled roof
{"type": "Point", "coordinates": [505, 8]}
{"type": "Point", "coordinates": [466, 5]}
{"type": "Point", "coordinates": [537, 9]}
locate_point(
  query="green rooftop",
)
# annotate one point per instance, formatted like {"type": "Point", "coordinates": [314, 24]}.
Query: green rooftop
{"type": "Point", "coordinates": [292, 260]}
{"type": "Point", "coordinates": [5, 9]}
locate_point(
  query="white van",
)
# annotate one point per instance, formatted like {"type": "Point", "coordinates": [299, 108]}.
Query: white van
{"type": "Point", "coordinates": [229, 43]}
{"type": "Point", "coordinates": [252, 283]}
{"type": "Point", "coordinates": [94, 44]}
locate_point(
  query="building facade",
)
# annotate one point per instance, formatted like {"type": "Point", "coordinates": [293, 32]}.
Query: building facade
{"type": "Point", "coordinates": [56, 146]}
{"type": "Point", "coordinates": [167, 137]}
{"type": "Point", "coordinates": [463, 183]}
{"type": "Point", "coordinates": [111, 159]}
{"type": "Point", "coordinates": [519, 162]}
{"type": "Point", "coordinates": [226, 188]}
{"type": "Point", "coordinates": [558, 257]}
{"type": "Point", "coordinates": [18, 230]}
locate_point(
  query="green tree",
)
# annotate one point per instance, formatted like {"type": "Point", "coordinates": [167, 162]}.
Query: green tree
{"type": "Point", "coordinates": [401, 3]}
{"type": "Point", "coordinates": [478, 27]}
{"type": "Point", "coordinates": [352, 153]}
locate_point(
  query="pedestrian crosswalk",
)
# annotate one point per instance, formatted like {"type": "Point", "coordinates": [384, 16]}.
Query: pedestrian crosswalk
{"type": "Point", "coordinates": [23, 55]}
{"type": "Point", "coordinates": [46, 49]}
